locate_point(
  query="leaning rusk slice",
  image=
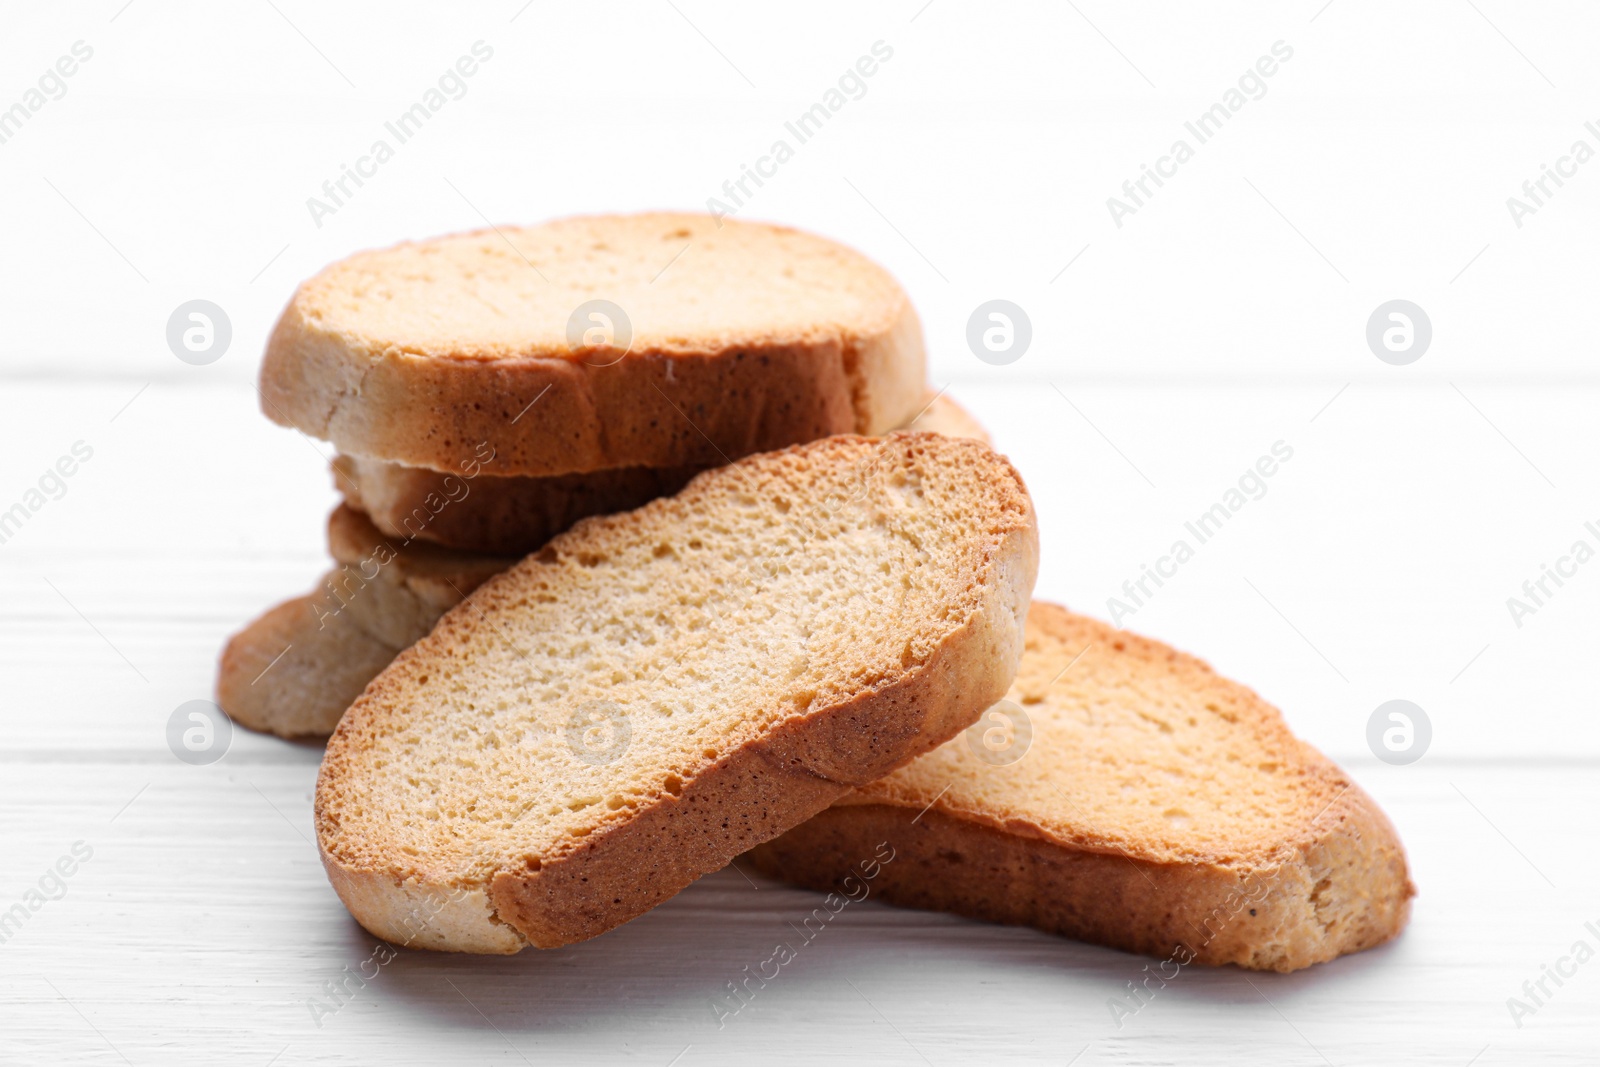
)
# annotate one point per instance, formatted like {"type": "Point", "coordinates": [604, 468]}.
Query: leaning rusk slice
{"type": "Point", "coordinates": [476, 508]}
{"type": "Point", "coordinates": [1127, 795]}
{"type": "Point", "coordinates": [655, 692]}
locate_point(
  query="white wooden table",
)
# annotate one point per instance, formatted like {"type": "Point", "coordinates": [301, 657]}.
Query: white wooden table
{"type": "Point", "coordinates": [201, 929]}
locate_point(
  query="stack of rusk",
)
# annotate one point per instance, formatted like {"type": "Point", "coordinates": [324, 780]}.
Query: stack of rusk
{"type": "Point", "coordinates": [657, 548]}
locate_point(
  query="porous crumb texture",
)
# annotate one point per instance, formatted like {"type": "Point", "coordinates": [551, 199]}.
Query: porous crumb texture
{"type": "Point", "coordinates": [744, 337]}
{"type": "Point", "coordinates": [491, 513]}
{"type": "Point", "coordinates": [1156, 804]}
{"type": "Point", "coordinates": [657, 691]}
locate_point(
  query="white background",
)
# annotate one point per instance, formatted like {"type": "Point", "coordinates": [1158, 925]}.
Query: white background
{"type": "Point", "coordinates": [1226, 314]}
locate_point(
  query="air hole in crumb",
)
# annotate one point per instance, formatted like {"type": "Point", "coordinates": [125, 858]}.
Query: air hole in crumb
{"type": "Point", "coordinates": [673, 785]}
{"type": "Point", "coordinates": [662, 550]}
{"type": "Point", "coordinates": [532, 863]}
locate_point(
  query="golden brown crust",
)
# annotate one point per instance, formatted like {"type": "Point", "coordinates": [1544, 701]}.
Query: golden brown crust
{"type": "Point", "coordinates": [1330, 880]}
{"type": "Point", "coordinates": [771, 784]}
{"type": "Point", "coordinates": [1278, 918]}
{"type": "Point", "coordinates": [383, 382]}
{"type": "Point", "coordinates": [476, 509]}
{"type": "Point", "coordinates": [490, 513]}
{"type": "Point", "coordinates": [762, 785]}
{"type": "Point", "coordinates": [438, 575]}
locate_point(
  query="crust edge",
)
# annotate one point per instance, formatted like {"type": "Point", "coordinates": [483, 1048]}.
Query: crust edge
{"type": "Point", "coordinates": [1338, 885]}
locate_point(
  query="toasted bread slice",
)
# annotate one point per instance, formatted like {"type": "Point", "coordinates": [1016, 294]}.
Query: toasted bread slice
{"type": "Point", "coordinates": [1139, 801]}
{"type": "Point", "coordinates": [655, 692]}
{"type": "Point", "coordinates": [732, 338]}
{"type": "Point", "coordinates": [479, 510]}
{"type": "Point", "coordinates": [294, 670]}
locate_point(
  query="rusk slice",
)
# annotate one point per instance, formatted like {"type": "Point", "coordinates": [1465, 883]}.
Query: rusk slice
{"type": "Point", "coordinates": [740, 337]}
{"type": "Point", "coordinates": [294, 670]}
{"type": "Point", "coordinates": [1157, 808]}
{"type": "Point", "coordinates": [490, 513]}
{"type": "Point", "coordinates": [474, 508]}
{"type": "Point", "coordinates": [655, 692]}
